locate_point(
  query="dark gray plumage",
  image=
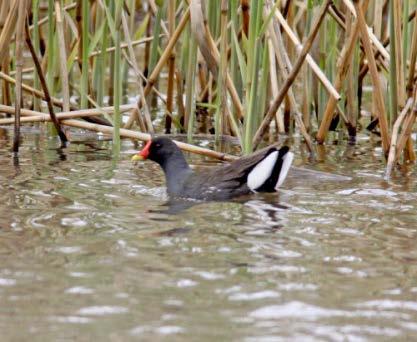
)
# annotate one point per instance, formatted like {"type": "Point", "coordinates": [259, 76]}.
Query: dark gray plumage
{"type": "Point", "coordinates": [218, 183]}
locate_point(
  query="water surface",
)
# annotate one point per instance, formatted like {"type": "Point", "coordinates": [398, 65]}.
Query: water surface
{"type": "Point", "coordinates": [87, 250]}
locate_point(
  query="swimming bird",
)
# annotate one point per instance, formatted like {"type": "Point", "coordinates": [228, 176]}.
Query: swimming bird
{"type": "Point", "coordinates": [262, 171]}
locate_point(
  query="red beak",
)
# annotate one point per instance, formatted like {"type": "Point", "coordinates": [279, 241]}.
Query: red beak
{"type": "Point", "coordinates": [144, 154]}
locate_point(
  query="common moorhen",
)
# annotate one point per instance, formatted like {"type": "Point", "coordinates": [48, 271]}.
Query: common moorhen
{"type": "Point", "coordinates": [262, 171]}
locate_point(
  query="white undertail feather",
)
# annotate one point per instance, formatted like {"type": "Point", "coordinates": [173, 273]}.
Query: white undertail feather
{"type": "Point", "coordinates": [286, 164]}
{"type": "Point", "coordinates": [262, 171]}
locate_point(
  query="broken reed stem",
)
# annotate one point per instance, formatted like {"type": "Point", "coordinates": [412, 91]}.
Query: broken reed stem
{"type": "Point", "coordinates": [293, 74]}
{"type": "Point", "coordinates": [44, 86]}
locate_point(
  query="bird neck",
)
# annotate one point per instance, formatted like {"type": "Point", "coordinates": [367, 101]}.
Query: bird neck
{"type": "Point", "coordinates": [176, 170]}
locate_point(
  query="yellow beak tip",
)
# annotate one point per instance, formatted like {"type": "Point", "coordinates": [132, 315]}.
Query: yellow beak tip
{"type": "Point", "coordinates": [137, 157]}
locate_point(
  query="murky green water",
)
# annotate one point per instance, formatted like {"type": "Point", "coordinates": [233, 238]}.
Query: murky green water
{"type": "Point", "coordinates": [87, 251]}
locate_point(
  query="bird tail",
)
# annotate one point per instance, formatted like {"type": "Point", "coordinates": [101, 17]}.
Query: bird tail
{"type": "Point", "coordinates": [287, 159]}
{"type": "Point", "coordinates": [269, 174]}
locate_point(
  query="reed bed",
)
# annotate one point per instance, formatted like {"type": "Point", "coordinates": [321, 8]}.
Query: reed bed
{"type": "Point", "coordinates": [251, 69]}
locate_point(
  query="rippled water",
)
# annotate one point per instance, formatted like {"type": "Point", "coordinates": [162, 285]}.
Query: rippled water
{"type": "Point", "coordinates": [88, 250]}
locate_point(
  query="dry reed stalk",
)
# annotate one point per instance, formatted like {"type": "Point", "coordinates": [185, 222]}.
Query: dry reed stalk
{"type": "Point", "coordinates": [8, 31]}
{"type": "Point", "coordinates": [405, 136]}
{"type": "Point", "coordinates": [171, 68]}
{"type": "Point", "coordinates": [98, 52]}
{"type": "Point", "coordinates": [30, 116]}
{"type": "Point", "coordinates": [62, 57]}
{"type": "Point", "coordinates": [155, 10]}
{"type": "Point", "coordinates": [135, 67]}
{"type": "Point", "coordinates": [377, 93]}
{"type": "Point", "coordinates": [78, 20]}
{"type": "Point", "coordinates": [338, 16]}
{"type": "Point", "coordinates": [292, 75]}
{"type": "Point", "coordinates": [208, 49]}
{"type": "Point", "coordinates": [19, 66]}
{"type": "Point", "coordinates": [342, 68]}
{"type": "Point", "coordinates": [285, 67]}
{"type": "Point", "coordinates": [4, 10]}
{"type": "Point", "coordinates": [6, 93]}
{"type": "Point", "coordinates": [313, 65]}
{"type": "Point", "coordinates": [44, 87]}
{"type": "Point", "coordinates": [223, 108]}
{"type": "Point", "coordinates": [392, 157]}
{"type": "Point", "coordinates": [244, 4]}
{"type": "Point", "coordinates": [145, 137]}
{"type": "Point", "coordinates": [162, 61]}
{"type": "Point", "coordinates": [274, 83]}
{"type": "Point", "coordinates": [413, 59]}
{"type": "Point", "coordinates": [201, 34]}
{"type": "Point", "coordinates": [377, 43]}
{"type": "Point", "coordinates": [32, 91]}
{"type": "Point", "coordinates": [229, 83]}
{"type": "Point", "coordinates": [398, 40]}
{"type": "Point", "coordinates": [126, 133]}
{"type": "Point", "coordinates": [45, 19]}
{"type": "Point", "coordinates": [350, 91]}
{"type": "Point", "coordinates": [179, 97]}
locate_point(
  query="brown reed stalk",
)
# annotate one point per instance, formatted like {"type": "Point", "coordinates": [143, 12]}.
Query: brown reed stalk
{"type": "Point", "coordinates": [30, 116]}
{"type": "Point", "coordinates": [392, 155]}
{"type": "Point", "coordinates": [171, 67]}
{"type": "Point", "coordinates": [244, 4]}
{"type": "Point", "coordinates": [20, 24]}
{"type": "Point", "coordinates": [8, 31]}
{"type": "Point", "coordinates": [45, 87]}
{"type": "Point", "coordinates": [396, 6]}
{"type": "Point", "coordinates": [274, 82]}
{"type": "Point", "coordinates": [4, 9]}
{"type": "Point", "coordinates": [377, 93]}
{"type": "Point", "coordinates": [406, 132]}
{"type": "Point", "coordinates": [148, 127]}
{"type": "Point", "coordinates": [285, 66]}
{"type": "Point", "coordinates": [45, 19]}
{"type": "Point", "coordinates": [311, 62]}
{"type": "Point", "coordinates": [32, 91]}
{"type": "Point", "coordinates": [413, 60]}
{"type": "Point", "coordinates": [208, 49]}
{"type": "Point", "coordinates": [179, 97]}
{"type": "Point", "coordinates": [292, 75]}
{"type": "Point", "coordinates": [98, 52]}
{"type": "Point", "coordinates": [163, 59]}
{"type": "Point", "coordinates": [62, 56]}
{"type": "Point", "coordinates": [222, 126]}
{"type": "Point", "coordinates": [351, 108]}
{"type": "Point", "coordinates": [342, 69]}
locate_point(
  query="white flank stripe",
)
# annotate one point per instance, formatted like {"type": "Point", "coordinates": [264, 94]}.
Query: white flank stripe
{"type": "Point", "coordinates": [262, 171]}
{"type": "Point", "coordinates": [286, 164]}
